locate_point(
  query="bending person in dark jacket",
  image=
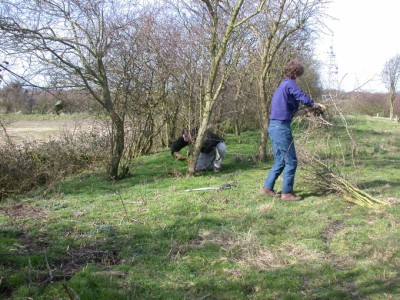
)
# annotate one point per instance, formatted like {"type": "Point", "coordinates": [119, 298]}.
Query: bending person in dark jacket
{"type": "Point", "coordinates": [212, 151]}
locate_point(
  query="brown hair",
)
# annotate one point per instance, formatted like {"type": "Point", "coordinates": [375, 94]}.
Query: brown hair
{"type": "Point", "coordinates": [294, 69]}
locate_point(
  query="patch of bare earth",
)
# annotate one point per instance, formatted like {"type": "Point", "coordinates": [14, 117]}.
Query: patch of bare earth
{"type": "Point", "coordinates": [331, 231]}
{"type": "Point", "coordinates": [25, 211]}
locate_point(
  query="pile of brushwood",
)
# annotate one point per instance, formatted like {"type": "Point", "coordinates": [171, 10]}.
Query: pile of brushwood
{"type": "Point", "coordinates": [319, 159]}
{"type": "Point", "coordinates": [325, 180]}
{"type": "Point", "coordinates": [29, 165]}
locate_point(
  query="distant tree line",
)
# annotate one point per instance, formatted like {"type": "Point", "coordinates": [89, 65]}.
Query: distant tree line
{"type": "Point", "coordinates": [16, 98]}
{"type": "Point", "coordinates": [370, 104]}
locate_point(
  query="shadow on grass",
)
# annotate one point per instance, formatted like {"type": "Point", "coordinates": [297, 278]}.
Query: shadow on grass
{"type": "Point", "coordinates": [324, 282]}
{"type": "Point", "coordinates": [186, 255]}
{"type": "Point", "coordinates": [379, 184]}
{"type": "Point", "coordinates": [382, 163]}
{"type": "Point", "coordinates": [147, 170]}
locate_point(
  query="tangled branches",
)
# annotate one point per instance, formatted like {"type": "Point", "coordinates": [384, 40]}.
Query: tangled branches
{"type": "Point", "coordinates": [34, 164]}
{"type": "Point", "coordinates": [325, 180]}
{"type": "Point", "coordinates": [320, 152]}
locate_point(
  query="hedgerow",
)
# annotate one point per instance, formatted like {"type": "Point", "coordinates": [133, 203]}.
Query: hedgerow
{"type": "Point", "coordinates": [29, 165]}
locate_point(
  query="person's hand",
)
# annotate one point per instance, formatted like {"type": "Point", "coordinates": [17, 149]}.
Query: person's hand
{"type": "Point", "coordinates": [319, 106]}
{"type": "Point", "coordinates": [179, 156]}
{"type": "Point", "coordinates": [301, 113]}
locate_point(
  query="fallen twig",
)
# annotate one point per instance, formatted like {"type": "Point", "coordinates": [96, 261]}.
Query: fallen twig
{"type": "Point", "coordinates": [48, 266]}
{"type": "Point", "coordinates": [71, 293]}
{"type": "Point", "coordinates": [123, 204]}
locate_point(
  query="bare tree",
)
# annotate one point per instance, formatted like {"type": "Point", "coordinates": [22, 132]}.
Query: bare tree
{"type": "Point", "coordinates": [190, 67]}
{"type": "Point", "coordinates": [283, 29]}
{"type": "Point", "coordinates": [221, 19]}
{"type": "Point", "coordinates": [166, 41]}
{"type": "Point", "coordinates": [1, 71]}
{"type": "Point", "coordinates": [74, 43]}
{"type": "Point", "coordinates": [390, 77]}
{"type": "Point", "coordinates": [238, 107]}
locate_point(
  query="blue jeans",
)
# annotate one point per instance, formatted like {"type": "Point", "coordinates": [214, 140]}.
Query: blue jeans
{"type": "Point", "coordinates": [285, 159]}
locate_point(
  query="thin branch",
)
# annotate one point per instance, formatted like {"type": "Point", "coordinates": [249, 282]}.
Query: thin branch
{"type": "Point", "coordinates": [48, 265]}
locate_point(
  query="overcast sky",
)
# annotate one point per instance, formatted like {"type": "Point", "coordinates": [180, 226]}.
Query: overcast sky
{"type": "Point", "coordinates": [365, 35]}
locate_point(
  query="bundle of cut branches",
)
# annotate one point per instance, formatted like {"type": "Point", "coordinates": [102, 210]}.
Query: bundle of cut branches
{"type": "Point", "coordinates": [317, 133]}
{"type": "Point", "coordinates": [324, 180]}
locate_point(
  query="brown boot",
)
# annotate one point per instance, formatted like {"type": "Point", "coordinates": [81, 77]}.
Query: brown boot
{"type": "Point", "coordinates": [268, 192]}
{"type": "Point", "coordinates": [290, 197]}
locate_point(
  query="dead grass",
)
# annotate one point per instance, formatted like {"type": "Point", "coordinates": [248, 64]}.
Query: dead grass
{"type": "Point", "coordinates": [25, 211]}
{"type": "Point", "coordinates": [42, 150]}
{"type": "Point", "coordinates": [247, 250]}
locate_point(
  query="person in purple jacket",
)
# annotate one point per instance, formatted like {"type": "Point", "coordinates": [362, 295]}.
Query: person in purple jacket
{"type": "Point", "coordinates": [285, 103]}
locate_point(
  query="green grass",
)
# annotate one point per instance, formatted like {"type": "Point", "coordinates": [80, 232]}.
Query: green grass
{"type": "Point", "coordinates": [146, 238]}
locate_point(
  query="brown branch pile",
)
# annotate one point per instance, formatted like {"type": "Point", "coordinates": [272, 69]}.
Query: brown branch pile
{"type": "Point", "coordinates": [323, 179]}
{"type": "Point", "coordinates": [30, 165]}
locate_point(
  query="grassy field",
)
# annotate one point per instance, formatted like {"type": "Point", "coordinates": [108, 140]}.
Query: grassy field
{"type": "Point", "coordinates": [26, 128]}
{"type": "Point", "coordinates": [145, 237]}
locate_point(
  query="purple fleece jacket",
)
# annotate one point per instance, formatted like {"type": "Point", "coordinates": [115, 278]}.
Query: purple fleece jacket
{"type": "Point", "coordinates": [286, 100]}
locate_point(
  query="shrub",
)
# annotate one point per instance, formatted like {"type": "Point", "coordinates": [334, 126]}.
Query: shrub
{"type": "Point", "coordinates": [30, 165]}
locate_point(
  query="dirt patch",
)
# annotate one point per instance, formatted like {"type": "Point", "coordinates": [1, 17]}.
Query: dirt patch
{"type": "Point", "coordinates": [83, 255]}
{"type": "Point", "coordinates": [49, 267]}
{"type": "Point", "coordinates": [22, 210]}
{"type": "Point", "coordinates": [331, 231]}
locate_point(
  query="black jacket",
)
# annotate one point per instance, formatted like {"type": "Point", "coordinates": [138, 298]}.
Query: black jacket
{"type": "Point", "coordinates": [210, 141]}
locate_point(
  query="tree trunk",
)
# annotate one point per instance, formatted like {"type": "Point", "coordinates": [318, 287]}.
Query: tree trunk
{"type": "Point", "coordinates": [118, 144]}
{"type": "Point", "coordinates": [264, 103]}
{"type": "Point", "coordinates": [392, 96]}
{"type": "Point", "coordinates": [201, 132]}
{"type": "Point", "coordinates": [118, 135]}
